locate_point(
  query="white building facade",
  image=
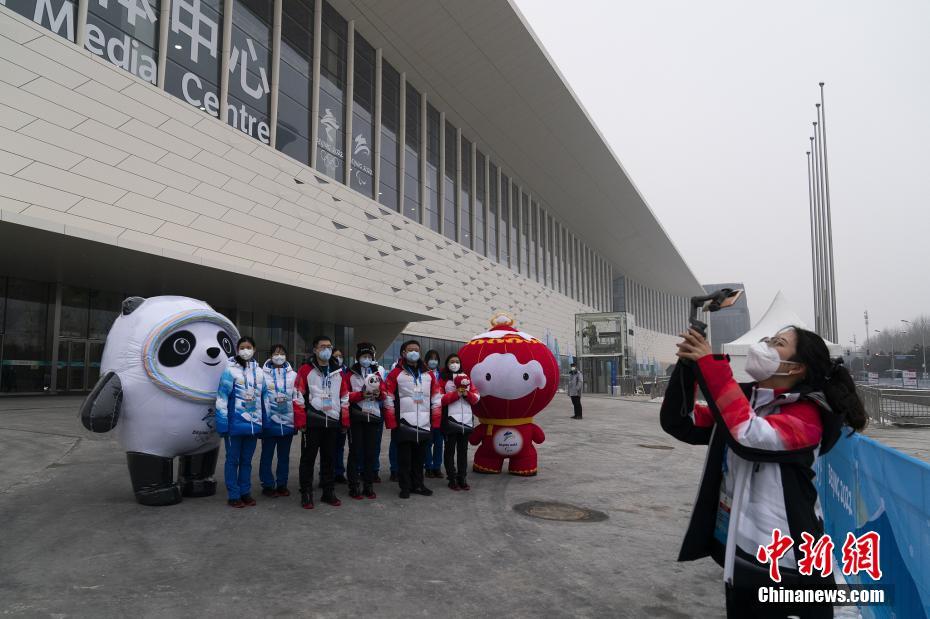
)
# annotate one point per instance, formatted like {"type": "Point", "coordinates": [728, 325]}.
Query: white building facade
{"type": "Point", "coordinates": [364, 170]}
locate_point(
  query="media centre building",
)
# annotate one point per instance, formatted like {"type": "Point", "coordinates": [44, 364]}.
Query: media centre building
{"type": "Point", "coordinates": [364, 169]}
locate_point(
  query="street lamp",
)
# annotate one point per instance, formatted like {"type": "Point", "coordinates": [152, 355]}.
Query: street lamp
{"type": "Point", "coordinates": [923, 346]}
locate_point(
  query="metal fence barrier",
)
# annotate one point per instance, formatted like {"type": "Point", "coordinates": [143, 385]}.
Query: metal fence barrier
{"type": "Point", "coordinates": [900, 407]}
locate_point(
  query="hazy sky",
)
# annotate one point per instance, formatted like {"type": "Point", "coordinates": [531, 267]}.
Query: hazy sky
{"type": "Point", "coordinates": [708, 106]}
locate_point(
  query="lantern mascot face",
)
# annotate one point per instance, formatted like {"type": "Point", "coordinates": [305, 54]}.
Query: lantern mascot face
{"type": "Point", "coordinates": [161, 367]}
{"type": "Point", "coordinates": [517, 377]}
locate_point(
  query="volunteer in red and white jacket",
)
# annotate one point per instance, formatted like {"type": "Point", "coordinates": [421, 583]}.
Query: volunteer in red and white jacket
{"type": "Point", "coordinates": [411, 410]}
{"type": "Point", "coordinates": [326, 398]}
{"type": "Point", "coordinates": [366, 404]}
{"type": "Point", "coordinates": [763, 438]}
{"type": "Point", "coordinates": [459, 395]}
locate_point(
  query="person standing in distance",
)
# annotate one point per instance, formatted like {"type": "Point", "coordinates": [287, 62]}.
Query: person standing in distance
{"type": "Point", "coordinates": [575, 384]}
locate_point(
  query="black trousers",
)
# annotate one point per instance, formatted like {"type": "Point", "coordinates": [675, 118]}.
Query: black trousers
{"type": "Point", "coordinates": [364, 440]}
{"type": "Point", "coordinates": [456, 456]}
{"type": "Point", "coordinates": [410, 458]}
{"type": "Point", "coordinates": [576, 402]}
{"type": "Point", "coordinates": [315, 441]}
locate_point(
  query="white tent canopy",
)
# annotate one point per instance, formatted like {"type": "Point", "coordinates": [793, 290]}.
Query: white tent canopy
{"type": "Point", "coordinates": [778, 316]}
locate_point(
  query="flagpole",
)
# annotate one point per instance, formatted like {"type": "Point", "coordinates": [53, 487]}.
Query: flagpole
{"type": "Point", "coordinates": [826, 177]}
{"type": "Point", "coordinates": [810, 199]}
{"type": "Point", "coordinates": [818, 233]}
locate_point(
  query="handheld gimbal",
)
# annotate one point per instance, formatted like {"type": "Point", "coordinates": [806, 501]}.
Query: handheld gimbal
{"type": "Point", "coordinates": [717, 300]}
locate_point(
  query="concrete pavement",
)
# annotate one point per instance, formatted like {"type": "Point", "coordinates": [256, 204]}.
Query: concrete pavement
{"type": "Point", "coordinates": [75, 543]}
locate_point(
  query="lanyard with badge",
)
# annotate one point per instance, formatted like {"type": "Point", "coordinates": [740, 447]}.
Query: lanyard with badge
{"type": "Point", "coordinates": [279, 396]}
{"type": "Point", "coordinates": [327, 400]}
{"type": "Point", "coordinates": [418, 397]}
{"type": "Point", "coordinates": [248, 395]}
{"type": "Point", "coordinates": [725, 504]}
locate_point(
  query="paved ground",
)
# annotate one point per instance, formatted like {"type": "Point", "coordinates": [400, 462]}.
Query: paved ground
{"type": "Point", "coordinates": [75, 543]}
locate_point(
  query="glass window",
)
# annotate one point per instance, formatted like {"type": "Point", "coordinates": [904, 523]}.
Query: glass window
{"type": "Point", "coordinates": [505, 220]}
{"type": "Point", "coordinates": [539, 242]}
{"type": "Point", "coordinates": [296, 78]}
{"type": "Point", "coordinates": [535, 267]}
{"type": "Point", "coordinates": [26, 358]}
{"type": "Point", "coordinates": [75, 304]}
{"type": "Point", "coordinates": [450, 218]}
{"type": "Point", "coordinates": [59, 16]}
{"type": "Point", "coordinates": [515, 246]}
{"type": "Point", "coordinates": [194, 45]}
{"type": "Point", "coordinates": [480, 216]}
{"type": "Point", "coordinates": [433, 129]}
{"type": "Point", "coordinates": [126, 34]}
{"type": "Point", "coordinates": [331, 135]}
{"type": "Point", "coordinates": [467, 239]}
{"type": "Point", "coordinates": [550, 272]}
{"type": "Point", "coordinates": [557, 255]}
{"type": "Point", "coordinates": [412, 155]}
{"type": "Point", "coordinates": [390, 125]}
{"type": "Point", "coordinates": [104, 308]}
{"type": "Point", "coordinates": [248, 108]}
{"type": "Point", "coordinates": [363, 95]}
{"type": "Point", "coordinates": [492, 212]}
{"type": "Point", "coordinates": [525, 236]}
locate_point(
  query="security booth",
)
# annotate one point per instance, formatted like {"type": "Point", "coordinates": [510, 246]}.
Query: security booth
{"type": "Point", "coordinates": [605, 346]}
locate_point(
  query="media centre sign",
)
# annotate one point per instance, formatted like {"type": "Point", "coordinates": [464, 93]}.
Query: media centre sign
{"type": "Point", "coordinates": [114, 29]}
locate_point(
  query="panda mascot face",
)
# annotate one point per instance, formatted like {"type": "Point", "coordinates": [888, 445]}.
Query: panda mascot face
{"type": "Point", "coordinates": [169, 353]}
{"type": "Point", "coordinates": [373, 383]}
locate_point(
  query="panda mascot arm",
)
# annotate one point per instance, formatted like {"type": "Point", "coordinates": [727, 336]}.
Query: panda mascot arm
{"type": "Point", "coordinates": [100, 410]}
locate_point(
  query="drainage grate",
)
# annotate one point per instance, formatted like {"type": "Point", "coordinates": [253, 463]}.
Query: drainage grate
{"type": "Point", "coordinates": [550, 510]}
{"type": "Point", "coordinates": [654, 446]}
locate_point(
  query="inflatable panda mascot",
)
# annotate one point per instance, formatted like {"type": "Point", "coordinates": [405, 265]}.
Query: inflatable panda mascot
{"type": "Point", "coordinates": [161, 366]}
{"type": "Point", "coordinates": [517, 376]}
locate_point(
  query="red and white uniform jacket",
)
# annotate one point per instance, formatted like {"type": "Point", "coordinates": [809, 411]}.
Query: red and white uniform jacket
{"type": "Point", "coordinates": [759, 472]}
{"type": "Point", "coordinates": [357, 401]}
{"type": "Point", "coordinates": [457, 407]}
{"type": "Point", "coordinates": [324, 391]}
{"type": "Point", "coordinates": [413, 396]}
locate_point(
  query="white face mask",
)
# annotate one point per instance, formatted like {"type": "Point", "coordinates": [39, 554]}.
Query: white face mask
{"type": "Point", "coordinates": [278, 359]}
{"type": "Point", "coordinates": [246, 353]}
{"type": "Point", "coordinates": [455, 367]}
{"type": "Point", "coordinates": [762, 362]}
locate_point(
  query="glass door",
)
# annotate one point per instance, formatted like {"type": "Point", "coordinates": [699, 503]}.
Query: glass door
{"type": "Point", "coordinates": [78, 364]}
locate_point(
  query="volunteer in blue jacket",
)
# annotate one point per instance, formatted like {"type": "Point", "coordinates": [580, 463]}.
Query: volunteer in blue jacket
{"type": "Point", "coordinates": [434, 461]}
{"type": "Point", "coordinates": [241, 402]}
{"type": "Point", "coordinates": [278, 425]}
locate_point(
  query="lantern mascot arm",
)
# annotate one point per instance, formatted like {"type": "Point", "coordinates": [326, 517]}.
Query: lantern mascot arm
{"type": "Point", "coordinates": [100, 411]}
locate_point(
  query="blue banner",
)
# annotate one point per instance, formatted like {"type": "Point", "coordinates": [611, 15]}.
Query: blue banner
{"type": "Point", "coordinates": [866, 487]}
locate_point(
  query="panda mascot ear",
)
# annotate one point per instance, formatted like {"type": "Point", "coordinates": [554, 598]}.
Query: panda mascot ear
{"type": "Point", "coordinates": [130, 305]}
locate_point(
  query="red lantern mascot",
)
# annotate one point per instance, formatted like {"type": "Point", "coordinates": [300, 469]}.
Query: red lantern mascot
{"type": "Point", "coordinates": [517, 376]}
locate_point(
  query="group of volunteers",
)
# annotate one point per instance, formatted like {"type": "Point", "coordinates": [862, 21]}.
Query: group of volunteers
{"type": "Point", "coordinates": [427, 408]}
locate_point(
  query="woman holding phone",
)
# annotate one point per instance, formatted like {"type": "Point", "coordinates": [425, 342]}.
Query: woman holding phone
{"type": "Point", "coordinates": [763, 439]}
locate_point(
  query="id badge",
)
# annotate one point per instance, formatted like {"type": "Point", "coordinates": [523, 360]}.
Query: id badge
{"type": "Point", "coordinates": [327, 404]}
{"type": "Point", "coordinates": [249, 394]}
{"type": "Point", "coordinates": [722, 526]}
{"type": "Point", "coordinates": [372, 407]}
{"type": "Point", "coordinates": [279, 398]}
{"type": "Point", "coordinates": [418, 397]}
